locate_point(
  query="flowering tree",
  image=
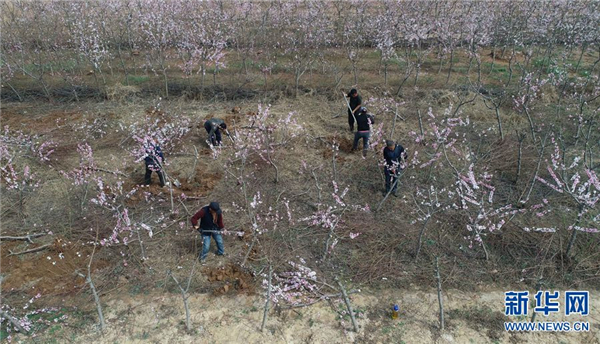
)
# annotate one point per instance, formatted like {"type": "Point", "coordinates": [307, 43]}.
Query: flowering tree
{"type": "Point", "coordinates": [330, 215]}
{"type": "Point", "coordinates": [477, 202]}
{"type": "Point", "coordinates": [355, 34]}
{"type": "Point", "coordinates": [429, 202]}
{"type": "Point", "coordinates": [416, 32]}
{"type": "Point", "coordinates": [31, 38]}
{"type": "Point", "coordinates": [202, 38]}
{"type": "Point", "coordinates": [580, 184]}
{"type": "Point", "coordinates": [529, 91]}
{"type": "Point", "coordinates": [295, 287]}
{"type": "Point", "coordinates": [31, 321]}
{"type": "Point", "coordinates": [253, 143]}
{"type": "Point", "coordinates": [157, 21]}
{"type": "Point", "coordinates": [87, 35]}
{"type": "Point", "coordinates": [302, 37]}
{"type": "Point", "coordinates": [446, 146]}
{"type": "Point", "coordinates": [21, 179]}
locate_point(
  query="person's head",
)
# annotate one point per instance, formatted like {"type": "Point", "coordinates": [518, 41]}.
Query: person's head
{"type": "Point", "coordinates": [223, 126]}
{"type": "Point", "coordinates": [353, 93]}
{"type": "Point", "coordinates": [390, 144]}
{"type": "Point", "coordinates": [214, 208]}
{"type": "Point", "coordinates": [362, 110]}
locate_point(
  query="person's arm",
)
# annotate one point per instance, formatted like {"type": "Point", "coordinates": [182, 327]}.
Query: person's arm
{"type": "Point", "coordinates": [359, 104]}
{"type": "Point", "coordinates": [400, 154]}
{"type": "Point", "coordinates": [399, 151]}
{"type": "Point", "coordinates": [220, 222]}
{"type": "Point", "coordinates": [196, 217]}
{"type": "Point", "coordinates": [160, 154]}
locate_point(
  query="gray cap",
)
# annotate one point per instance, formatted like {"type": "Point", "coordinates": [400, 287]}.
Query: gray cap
{"type": "Point", "coordinates": [389, 143]}
{"type": "Point", "coordinates": [215, 206]}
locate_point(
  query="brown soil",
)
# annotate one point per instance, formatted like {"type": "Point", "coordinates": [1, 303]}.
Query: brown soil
{"type": "Point", "coordinates": [38, 123]}
{"type": "Point", "coordinates": [230, 279]}
{"type": "Point", "coordinates": [199, 186]}
{"type": "Point", "coordinates": [344, 142]}
{"type": "Point", "coordinates": [501, 60]}
{"type": "Point", "coordinates": [50, 272]}
{"type": "Point", "coordinates": [345, 146]}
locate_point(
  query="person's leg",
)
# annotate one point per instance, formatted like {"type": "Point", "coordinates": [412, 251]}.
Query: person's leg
{"type": "Point", "coordinates": [356, 138]}
{"type": "Point", "coordinates": [161, 177]}
{"type": "Point", "coordinates": [388, 180]}
{"type": "Point", "coordinates": [219, 241]}
{"type": "Point", "coordinates": [211, 138]}
{"type": "Point", "coordinates": [366, 140]}
{"type": "Point", "coordinates": [396, 180]}
{"type": "Point", "coordinates": [218, 135]}
{"type": "Point", "coordinates": [148, 176]}
{"type": "Point", "coordinates": [205, 246]}
{"type": "Point", "coordinates": [350, 120]}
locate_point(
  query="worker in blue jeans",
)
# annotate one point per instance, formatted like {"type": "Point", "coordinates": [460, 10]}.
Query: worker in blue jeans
{"type": "Point", "coordinates": [364, 121]}
{"type": "Point", "coordinates": [211, 223]}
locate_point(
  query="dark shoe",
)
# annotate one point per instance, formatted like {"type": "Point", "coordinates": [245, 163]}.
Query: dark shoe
{"type": "Point", "coordinates": [395, 194]}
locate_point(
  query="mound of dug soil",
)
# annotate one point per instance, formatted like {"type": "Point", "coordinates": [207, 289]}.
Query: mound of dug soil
{"type": "Point", "coordinates": [230, 279]}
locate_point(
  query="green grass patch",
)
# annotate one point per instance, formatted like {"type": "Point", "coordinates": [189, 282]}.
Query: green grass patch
{"type": "Point", "coordinates": [584, 73]}
{"type": "Point", "coordinates": [137, 79]}
{"type": "Point", "coordinates": [3, 334]}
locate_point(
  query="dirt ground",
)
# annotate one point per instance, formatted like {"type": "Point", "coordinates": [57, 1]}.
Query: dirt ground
{"type": "Point", "coordinates": [141, 305]}
{"type": "Point", "coordinates": [226, 304]}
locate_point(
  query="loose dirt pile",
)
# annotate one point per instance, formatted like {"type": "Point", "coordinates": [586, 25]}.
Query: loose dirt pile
{"type": "Point", "coordinates": [230, 279]}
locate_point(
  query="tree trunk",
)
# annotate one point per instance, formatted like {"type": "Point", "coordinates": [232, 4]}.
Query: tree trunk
{"type": "Point", "coordinates": [420, 240]}
{"type": "Point", "coordinates": [499, 123]}
{"type": "Point", "coordinates": [451, 65]}
{"type": "Point", "coordinates": [439, 292]}
{"type": "Point", "coordinates": [268, 301]}
{"type": "Point", "coordinates": [348, 305]}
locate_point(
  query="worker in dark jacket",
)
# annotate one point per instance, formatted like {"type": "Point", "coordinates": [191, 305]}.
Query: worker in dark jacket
{"type": "Point", "coordinates": [211, 223]}
{"type": "Point", "coordinates": [154, 161]}
{"type": "Point", "coordinates": [355, 103]}
{"type": "Point", "coordinates": [213, 127]}
{"type": "Point", "coordinates": [393, 154]}
{"type": "Point", "coordinates": [363, 123]}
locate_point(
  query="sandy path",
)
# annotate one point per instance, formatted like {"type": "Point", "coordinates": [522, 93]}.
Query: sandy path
{"type": "Point", "coordinates": [471, 318]}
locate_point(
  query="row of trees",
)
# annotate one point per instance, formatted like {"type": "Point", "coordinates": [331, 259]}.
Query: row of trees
{"type": "Point", "coordinates": [43, 39]}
